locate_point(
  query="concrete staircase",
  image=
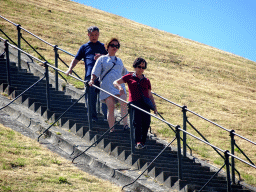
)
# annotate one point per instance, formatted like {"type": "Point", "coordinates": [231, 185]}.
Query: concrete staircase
{"type": "Point", "coordinates": [117, 144]}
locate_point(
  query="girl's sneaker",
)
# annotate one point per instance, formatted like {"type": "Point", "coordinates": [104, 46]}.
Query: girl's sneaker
{"type": "Point", "coordinates": [139, 146]}
{"type": "Point", "coordinates": [126, 127]}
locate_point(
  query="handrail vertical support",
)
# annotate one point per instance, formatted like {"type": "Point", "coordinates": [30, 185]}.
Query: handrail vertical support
{"type": "Point", "coordinates": [98, 103]}
{"type": "Point", "coordinates": [232, 158]}
{"type": "Point", "coordinates": [19, 46]}
{"type": "Point", "coordinates": [47, 86]}
{"type": "Point", "coordinates": [56, 65]}
{"type": "Point", "coordinates": [184, 110]}
{"type": "Point", "coordinates": [228, 171]}
{"type": "Point", "coordinates": [89, 108]}
{"type": "Point", "coordinates": [7, 62]}
{"type": "Point", "coordinates": [179, 152]}
{"type": "Point", "coordinates": [131, 113]}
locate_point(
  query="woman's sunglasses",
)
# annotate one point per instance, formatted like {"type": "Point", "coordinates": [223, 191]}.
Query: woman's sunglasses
{"type": "Point", "coordinates": [113, 45]}
{"type": "Point", "coordinates": [141, 67]}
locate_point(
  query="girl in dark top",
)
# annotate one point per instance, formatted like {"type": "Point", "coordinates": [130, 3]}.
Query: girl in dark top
{"type": "Point", "coordinates": [138, 84]}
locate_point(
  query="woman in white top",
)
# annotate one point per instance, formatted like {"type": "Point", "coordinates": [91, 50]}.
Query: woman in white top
{"type": "Point", "coordinates": [111, 68]}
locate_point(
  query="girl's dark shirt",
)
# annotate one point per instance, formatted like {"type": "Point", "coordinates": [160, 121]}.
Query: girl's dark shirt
{"type": "Point", "coordinates": [134, 92]}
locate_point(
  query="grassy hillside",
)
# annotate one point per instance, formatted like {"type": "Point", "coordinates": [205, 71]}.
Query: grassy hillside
{"type": "Point", "coordinates": [215, 84]}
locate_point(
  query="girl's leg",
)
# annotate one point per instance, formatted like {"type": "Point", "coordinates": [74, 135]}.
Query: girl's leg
{"type": "Point", "coordinates": [145, 125]}
{"type": "Point", "coordinates": [124, 110]}
{"type": "Point", "coordinates": [111, 107]}
{"type": "Point", "coordinates": [137, 123]}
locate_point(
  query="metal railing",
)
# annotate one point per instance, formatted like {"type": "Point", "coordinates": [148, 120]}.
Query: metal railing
{"type": "Point", "coordinates": [131, 107]}
{"type": "Point", "coordinates": [177, 130]}
{"type": "Point", "coordinates": [55, 49]}
{"type": "Point", "coordinates": [231, 134]}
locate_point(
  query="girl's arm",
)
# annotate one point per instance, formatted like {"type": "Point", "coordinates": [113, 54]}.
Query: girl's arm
{"type": "Point", "coordinates": [152, 99]}
{"type": "Point", "coordinates": [117, 83]}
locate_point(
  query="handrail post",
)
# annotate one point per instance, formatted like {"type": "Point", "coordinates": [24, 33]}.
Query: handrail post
{"type": "Point", "coordinates": [47, 86]}
{"type": "Point", "coordinates": [232, 158]}
{"type": "Point", "coordinates": [179, 152]}
{"type": "Point", "coordinates": [184, 110]}
{"type": "Point", "coordinates": [7, 62]}
{"type": "Point", "coordinates": [98, 102]}
{"type": "Point", "coordinates": [89, 108]}
{"type": "Point", "coordinates": [56, 65]}
{"type": "Point", "coordinates": [131, 113]}
{"type": "Point", "coordinates": [228, 171]}
{"type": "Point", "coordinates": [19, 46]}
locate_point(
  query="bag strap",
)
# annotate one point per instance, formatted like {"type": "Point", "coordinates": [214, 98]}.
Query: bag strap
{"type": "Point", "coordinates": [109, 69]}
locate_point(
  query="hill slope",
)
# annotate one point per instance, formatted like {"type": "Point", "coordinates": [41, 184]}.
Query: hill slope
{"type": "Point", "coordinates": [215, 84]}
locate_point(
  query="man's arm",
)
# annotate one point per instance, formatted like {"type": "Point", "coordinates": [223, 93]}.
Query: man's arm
{"type": "Point", "coordinates": [72, 65]}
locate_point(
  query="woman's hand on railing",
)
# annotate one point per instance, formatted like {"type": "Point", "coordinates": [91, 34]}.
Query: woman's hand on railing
{"type": "Point", "coordinates": [121, 91]}
{"type": "Point", "coordinates": [91, 82]}
{"type": "Point", "coordinates": [68, 72]}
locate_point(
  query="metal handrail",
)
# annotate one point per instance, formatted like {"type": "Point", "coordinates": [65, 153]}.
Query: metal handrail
{"type": "Point", "coordinates": [116, 97]}
{"type": "Point", "coordinates": [208, 120]}
{"type": "Point", "coordinates": [177, 127]}
{"type": "Point", "coordinates": [185, 108]}
{"type": "Point", "coordinates": [175, 132]}
{"type": "Point", "coordinates": [23, 93]}
{"type": "Point", "coordinates": [54, 46]}
{"type": "Point", "coordinates": [150, 164]}
{"type": "Point", "coordinates": [212, 177]}
{"type": "Point", "coordinates": [48, 65]}
{"type": "Point", "coordinates": [217, 148]}
{"type": "Point", "coordinates": [60, 116]}
{"type": "Point", "coordinates": [101, 137]}
{"type": "Point", "coordinates": [18, 26]}
{"type": "Point", "coordinates": [33, 48]}
{"type": "Point", "coordinates": [190, 111]}
{"type": "Point", "coordinates": [9, 21]}
{"type": "Point", "coordinates": [15, 47]}
{"type": "Point", "coordinates": [245, 139]}
{"type": "Point", "coordinates": [8, 37]}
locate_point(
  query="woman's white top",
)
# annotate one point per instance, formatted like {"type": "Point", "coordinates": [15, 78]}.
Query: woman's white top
{"type": "Point", "coordinates": [101, 67]}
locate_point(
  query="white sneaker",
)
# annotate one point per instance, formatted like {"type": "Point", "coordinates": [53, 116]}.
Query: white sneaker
{"type": "Point", "coordinates": [139, 146]}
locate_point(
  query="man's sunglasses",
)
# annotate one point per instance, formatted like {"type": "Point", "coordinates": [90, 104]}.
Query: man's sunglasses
{"type": "Point", "coordinates": [113, 45]}
{"type": "Point", "coordinates": [141, 67]}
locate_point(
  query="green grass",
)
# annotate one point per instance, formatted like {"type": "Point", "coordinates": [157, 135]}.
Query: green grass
{"type": "Point", "coordinates": [215, 84]}
{"type": "Point", "coordinates": [25, 165]}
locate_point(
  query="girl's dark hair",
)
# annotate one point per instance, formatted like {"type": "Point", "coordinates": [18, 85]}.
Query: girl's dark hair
{"type": "Point", "coordinates": [110, 41]}
{"type": "Point", "coordinates": [138, 61]}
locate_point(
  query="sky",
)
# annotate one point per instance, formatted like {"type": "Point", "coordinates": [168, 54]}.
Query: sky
{"type": "Point", "coordinates": [229, 25]}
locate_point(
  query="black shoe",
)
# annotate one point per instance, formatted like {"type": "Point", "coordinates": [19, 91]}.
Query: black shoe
{"type": "Point", "coordinates": [126, 127]}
